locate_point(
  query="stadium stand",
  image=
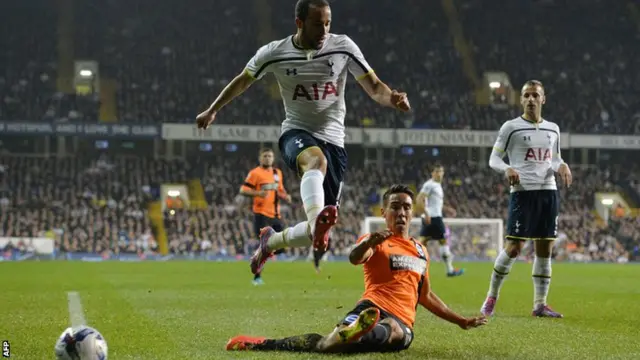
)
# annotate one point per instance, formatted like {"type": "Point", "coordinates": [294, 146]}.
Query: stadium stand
{"type": "Point", "coordinates": [593, 87]}
{"type": "Point", "coordinates": [88, 204]}
{"type": "Point", "coordinates": [474, 190]}
{"type": "Point", "coordinates": [27, 63]}
{"type": "Point", "coordinates": [168, 62]}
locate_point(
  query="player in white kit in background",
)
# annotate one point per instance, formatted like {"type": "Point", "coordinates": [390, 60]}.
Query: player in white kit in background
{"type": "Point", "coordinates": [533, 147]}
{"type": "Point", "coordinates": [311, 69]}
{"type": "Point", "coordinates": [429, 206]}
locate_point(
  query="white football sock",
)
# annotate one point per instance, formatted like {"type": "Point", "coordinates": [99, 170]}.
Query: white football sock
{"type": "Point", "coordinates": [447, 257]}
{"type": "Point", "coordinates": [541, 274]}
{"type": "Point", "coordinates": [501, 269]}
{"type": "Point", "coordinates": [296, 236]}
{"type": "Point", "coordinates": [312, 194]}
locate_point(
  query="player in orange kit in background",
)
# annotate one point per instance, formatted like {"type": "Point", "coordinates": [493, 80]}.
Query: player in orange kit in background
{"type": "Point", "coordinates": [265, 184]}
{"type": "Point", "coordinates": [396, 276]}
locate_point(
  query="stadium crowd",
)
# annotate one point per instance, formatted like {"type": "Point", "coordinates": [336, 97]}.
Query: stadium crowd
{"type": "Point", "coordinates": [99, 204]}
{"type": "Point", "coordinates": [88, 204]}
{"type": "Point", "coordinates": [594, 87]}
{"type": "Point", "coordinates": [169, 61]}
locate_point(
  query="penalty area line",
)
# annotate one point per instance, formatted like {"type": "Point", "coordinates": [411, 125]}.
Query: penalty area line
{"type": "Point", "coordinates": [76, 313]}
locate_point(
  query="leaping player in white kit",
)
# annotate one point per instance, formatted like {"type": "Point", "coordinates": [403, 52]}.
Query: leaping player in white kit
{"type": "Point", "coordinates": [311, 69]}
{"type": "Point", "coordinates": [533, 147]}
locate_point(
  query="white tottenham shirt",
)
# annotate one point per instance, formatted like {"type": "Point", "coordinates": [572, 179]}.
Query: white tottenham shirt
{"type": "Point", "coordinates": [435, 197]}
{"type": "Point", "coordinates": [533, 151]}
{"type": "Point", "coordinates": [312, 82]}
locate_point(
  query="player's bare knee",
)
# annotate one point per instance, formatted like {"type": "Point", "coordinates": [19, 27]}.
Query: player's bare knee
{"type": "Point", "coordinates": [543, 248]}
{"type": "Point", "coordinates": [312, 159]}
{"type": "Point", "coordinates": [514, 247]}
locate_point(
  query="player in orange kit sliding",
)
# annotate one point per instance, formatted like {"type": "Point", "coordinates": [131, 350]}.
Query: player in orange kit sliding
{"type": "Point", "coordinates": [396, 275]}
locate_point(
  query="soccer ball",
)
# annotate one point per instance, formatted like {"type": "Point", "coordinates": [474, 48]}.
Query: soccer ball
{"type": "Point", "coordinates": [84, 343]}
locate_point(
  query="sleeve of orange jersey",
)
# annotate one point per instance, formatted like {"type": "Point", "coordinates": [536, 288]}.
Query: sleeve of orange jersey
{"type": "Point", "coordinates": [363, 237]}
{"type": "Point", "coordinates": [251, 182]}
{"type": "Point", "coordinates": [282, 192]}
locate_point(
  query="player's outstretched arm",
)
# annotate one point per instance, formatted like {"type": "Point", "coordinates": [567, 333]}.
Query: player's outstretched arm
{"type": "Point", "coordinates": [382, 94]}
{"type": "Point", "coordinates": [235, 88]}
{"type": "Point", "coordinates": [366, 246]}
{"type": "Point", "coordinates": [437, 307]}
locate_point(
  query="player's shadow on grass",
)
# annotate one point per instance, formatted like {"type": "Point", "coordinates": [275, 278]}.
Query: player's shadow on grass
{"type": "Point", "coordinates": [430, 353]}
{"type": "Point", "coordinates": [475, 353]}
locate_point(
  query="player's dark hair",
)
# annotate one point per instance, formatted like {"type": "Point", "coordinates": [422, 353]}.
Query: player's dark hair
{"type": "Point", "coordinates": [396, 189]}
{"type": "Point", "coordinates": [266, 149]}
{"type": "Point", "coordinates": [534, 83]}
{"type": "Point", "coordinates": [302, 7]}
{"type": "Point", "coordinates": [436, 166]}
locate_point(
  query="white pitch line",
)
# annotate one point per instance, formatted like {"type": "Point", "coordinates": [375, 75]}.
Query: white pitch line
{"type": "Point", "coordinates": [76, 313]}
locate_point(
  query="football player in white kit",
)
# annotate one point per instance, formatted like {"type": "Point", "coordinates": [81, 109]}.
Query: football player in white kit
{"type": "Point", "coordinates": [311, 68]}
{"type": "Point", "coordinates": [533, 147]}
{"type": "Point", "coordinates": [429, 205]}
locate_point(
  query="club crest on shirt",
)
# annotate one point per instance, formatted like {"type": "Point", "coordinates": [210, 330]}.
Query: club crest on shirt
{"type": "Point", "coordinates": [420, 251]}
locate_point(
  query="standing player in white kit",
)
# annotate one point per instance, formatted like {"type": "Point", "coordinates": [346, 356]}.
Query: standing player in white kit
{"type": "Point", "coordinates": [311, 69]}
{"type": "Point", "coordinates": [433, 227]}
{"type": "Point", "coordinates": [533, 147]}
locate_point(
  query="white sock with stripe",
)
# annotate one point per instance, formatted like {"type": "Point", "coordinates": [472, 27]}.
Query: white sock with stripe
{"type": "Point", "coordinates": [501, 269]}
{"type": "Point", "coordinates": [541, 275]}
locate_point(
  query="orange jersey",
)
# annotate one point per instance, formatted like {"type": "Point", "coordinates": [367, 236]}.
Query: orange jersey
{"type": "Point", "coordinates": [396, 277]}
{"type": "Point", "coordinates": [269, 180]}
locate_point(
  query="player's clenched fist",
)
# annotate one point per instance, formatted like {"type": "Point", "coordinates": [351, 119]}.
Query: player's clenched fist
{"type": "Point", "coordinates": [205, 119]}
{"type": "Point", "coordinates": [473, 322]}
{"type": "Point", "coordinates": [379, 237]}
{"type": "Point", "coordinates": [400, 100]}
{"type": "Point", "coordinates": [512, 176]}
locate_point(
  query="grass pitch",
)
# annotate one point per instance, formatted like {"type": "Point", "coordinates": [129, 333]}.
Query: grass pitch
{"type": "Point", "coordinates": [188, 310]}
